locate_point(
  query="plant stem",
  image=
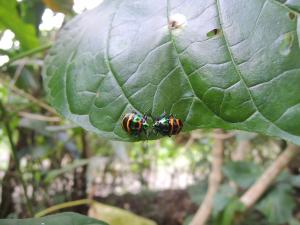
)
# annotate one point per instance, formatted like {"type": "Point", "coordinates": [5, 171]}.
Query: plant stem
{"type": "Point", "coordinates": [215, 178]}
{"type": "Point", "coordinates": [63, 206]}
{"type": "Point", "coordinates": [267, 178]}
{"type": "Point", "coordinates": [29, 97]}
{"type": "Point", "coordinates": [27, 53]}
{"type": "Point", "coordinates": [15, 157]}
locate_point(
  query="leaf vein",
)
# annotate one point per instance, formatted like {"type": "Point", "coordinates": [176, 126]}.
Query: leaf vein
{"type": "Point", "coordinates": [236, 66]}
{"type": "Point", "coordinates": [108, 62]}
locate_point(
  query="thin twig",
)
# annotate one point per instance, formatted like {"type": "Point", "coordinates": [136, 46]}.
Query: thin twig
{"type": "Point", "coordinates": [39, 117]}
{"type": "Point", "coordinates": [34, 100]}
{"type": "Point", "coordinates": [63, 206]}
{"type": "Point", "coordinates": [27, 53]}
{"type": "Point", "coordinates": [30, 98]}
{"type": "Point", "coordinates": [243, 147]}
{"type": "Point", "coordinates": [215, 178]}
{"type": "Point", "coordinates": [193, 137]}
{"type": "Point", "coordinates": [268, 177]}
{"type": "Point", "coordinates": [17, 74]}
{"type": "Point", "coordinates": [15, 157]}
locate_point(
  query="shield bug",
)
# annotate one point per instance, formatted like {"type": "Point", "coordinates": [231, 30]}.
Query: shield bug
{"type": "Point", "coordinates": [134, 123]}
{"type": "Point", "coordinates": [167, 125]}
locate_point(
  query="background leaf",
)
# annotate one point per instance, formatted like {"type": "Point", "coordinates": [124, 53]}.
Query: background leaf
{"type": "Point", "coordinates": [62, 218]}
{"type": "Point", "coordinates": [70, 167]}
{"type": "Point", "coordinates": [223, 197]}
{"type": "Point", "coordinates": [155, 56]}
{"type": "Point", "coordinates": [10, 19]}
{"type": "Point", "coordinates": [278, 204]}
{"type": "Point", "coordinates": [197, 192]}
{"type": "Point", "coordinates": [242, 173]}
{"type": "Point", "coordinates": [32, 11]}
{"type": "Point", "coordinates": [117, 216]}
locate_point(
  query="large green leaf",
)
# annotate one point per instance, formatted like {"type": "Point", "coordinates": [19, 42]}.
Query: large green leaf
{"type": "Point", "coordinates": [218, 63]}
{"type": "Point", "coordinates": [10, 19]}
{"type": "Point", "coordinates": [62, 218]}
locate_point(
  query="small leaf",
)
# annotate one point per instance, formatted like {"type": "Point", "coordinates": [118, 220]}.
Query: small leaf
{"type": "Point", "coordinates": [10, 19]}
{"type": "Point", "coordinates": [223, 197]}
{"type": "Point", "coordinates": [278, 204]}
{"type": "Point", "coordinates": [242, 173]}
{"type": "Point", "coordinates": [116, 216]}
{"type": "Point", "coordinates": [62, 218]}
{"type": "Point", "coordinates": [70, 167]}
{"type": "Point", "coordinates": [230, 211]}
{"type": "Point", "coordinates": [197, 192]}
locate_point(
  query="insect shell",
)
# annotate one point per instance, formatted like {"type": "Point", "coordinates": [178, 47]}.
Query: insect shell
{"type": "Point", "coordinates": [167, 125]}
{"type": "Point", "coordinates": [134, 123]}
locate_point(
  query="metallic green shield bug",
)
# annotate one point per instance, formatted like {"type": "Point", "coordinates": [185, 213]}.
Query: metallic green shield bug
{"type": "Point", "coordinates": [134, 123]}
{"type": "Point", "coordinates": [167, 125]}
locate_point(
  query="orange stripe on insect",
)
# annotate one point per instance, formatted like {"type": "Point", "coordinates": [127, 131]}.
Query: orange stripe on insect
{"type": "Point", "coordinates": [172, 125]}
{"type": "Point", "coordinates": [140, 125]}
{"type": "Point", "coordinates": [128, 123]}
{"type": "Point", "coordinates": [179, 123]}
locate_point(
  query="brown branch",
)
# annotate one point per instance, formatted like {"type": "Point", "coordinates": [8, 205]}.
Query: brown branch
{"type": "Point", "coordinates": [29, 97]}
{"type": "Point", "coordinates": [268, 177]}
{"type": "Point", "coordinates": [243, 147]}
{"type": "Point", "coordinates": [196, 135]}
{"type": "Point", "coordinates": [34, 116]}
{"type": "Point", "coordinates": [215, 178]}
{"type": "Point", "coordinates": [223, 136]}
{"type": "Point", "coordinates": [34, 100]}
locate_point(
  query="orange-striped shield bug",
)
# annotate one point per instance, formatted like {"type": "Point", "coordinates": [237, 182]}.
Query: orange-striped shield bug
{"type": "Point", "coordinates": [167, 125]}
{"type": "Point", "coordinates": [134, 123]}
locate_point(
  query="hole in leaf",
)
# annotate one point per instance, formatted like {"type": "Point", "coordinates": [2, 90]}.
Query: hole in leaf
{"type": "Point", "coordinates": [286, 44]}
{"type": "Point", "coordinates": [213, 33]}
{"type": "Point", "coordinates": [177, 21]}
{"type": "Point", "coordinates": [292, 15]}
